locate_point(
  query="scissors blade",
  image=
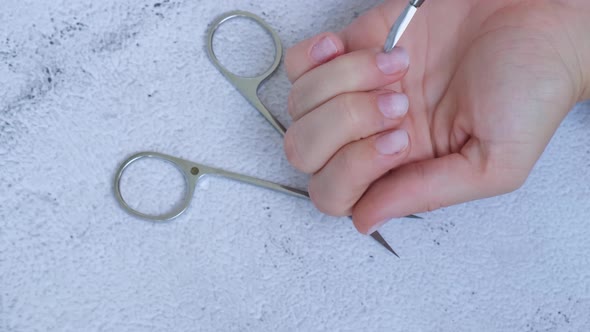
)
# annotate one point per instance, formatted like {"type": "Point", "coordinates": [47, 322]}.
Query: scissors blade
{"type": "Point", "coordinates": [377, 237]}
{"type": "Point", "coordinates": [398, 28]}
{"type": "Point", "coordinates": [413, 216]}
{"type": "Point", "coordinates": [381, 240]}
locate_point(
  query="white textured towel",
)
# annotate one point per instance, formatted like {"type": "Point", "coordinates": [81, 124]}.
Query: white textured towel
{"type": "Point", "coordinates": [84, 84]}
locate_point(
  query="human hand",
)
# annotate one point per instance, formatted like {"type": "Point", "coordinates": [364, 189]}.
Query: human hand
{"type": "Point", "coordinates": [489, 83]}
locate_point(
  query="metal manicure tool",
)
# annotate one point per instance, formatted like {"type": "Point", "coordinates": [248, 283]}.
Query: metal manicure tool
{"type": "Point", "coordinates": [191, 171]}
{"type": "Point", "coordinates": [400, 25]}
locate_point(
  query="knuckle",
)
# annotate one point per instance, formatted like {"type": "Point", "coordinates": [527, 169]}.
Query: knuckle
{"type": "Point", "coordinates": [430, 205]}
{"type": "Point", "coordinates": [347, 105]}
{"type": "Point", "coordinates": [351, 177]}
{"type": "Point", "coordinates": [296, 107]}
{"type": "Point", "coordinates": [347, 164]}
{"type": "Point", "coordinates": [355, 76]}
{"type": "Point", "coordinates": [419, 170]}
{"type": "Point", "coordinates": [324, 200]}
{"type": "Point", "coordinates": [290, 64]}
{"type": "Point", "coordinates": [317, 197]}
{"type": "Point", "coordinates": [356, 169]}
{"type": "Point", "coordinates": [291, 104]}
{"type": "Point", "coordinates": [291, 151]}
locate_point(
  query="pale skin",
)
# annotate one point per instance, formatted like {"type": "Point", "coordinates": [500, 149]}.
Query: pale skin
{"type": "Point", "coordinates": [461, 110]}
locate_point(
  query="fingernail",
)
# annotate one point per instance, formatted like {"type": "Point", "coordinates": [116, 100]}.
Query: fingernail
{"type": "Point", "coordinates": [393, 105]}
{"type": "Point", "coordinates": [395, 61]}
{"type": "Point", "coordinates": [392, 143]}
{"type": "Point", "coordinates": [323, 50]}
{"type": "Point", "coordinates": [376, 227]}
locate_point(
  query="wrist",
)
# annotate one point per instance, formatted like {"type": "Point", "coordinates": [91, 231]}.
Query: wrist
{"type": "Point", "coordinates": [578, 30]}
{"type": "Point", "coordinates": [567, 22]}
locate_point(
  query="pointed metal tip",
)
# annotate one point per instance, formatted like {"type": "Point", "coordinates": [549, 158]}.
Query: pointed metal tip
{"type": "Point", "coordinates": [381, 240]}
{"type": "Point", "coordinates": [399, 26]}
{"type": "Point", "coordinates": [413, 216]}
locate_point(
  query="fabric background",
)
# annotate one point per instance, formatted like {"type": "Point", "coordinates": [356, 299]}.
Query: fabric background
{"type": "Point", "coordinates": [84, 84]}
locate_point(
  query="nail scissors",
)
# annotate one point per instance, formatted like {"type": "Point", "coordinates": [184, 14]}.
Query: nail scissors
{"type": "Point", "coordinates": [193, 172]}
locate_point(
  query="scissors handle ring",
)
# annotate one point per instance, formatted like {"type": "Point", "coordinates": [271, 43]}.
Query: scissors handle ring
{"type": "Point", "coordinates": [190, 172]}
{"type": "Point", "coordinates": [248, 86]}
{"type": "Point", "coordinates": [241, 81]}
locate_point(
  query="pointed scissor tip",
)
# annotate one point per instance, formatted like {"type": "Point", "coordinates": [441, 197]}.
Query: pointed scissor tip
{"type": "Point", "coordinates": [381, 240]}
{"type": "Point", "coordinates": [413, 216]}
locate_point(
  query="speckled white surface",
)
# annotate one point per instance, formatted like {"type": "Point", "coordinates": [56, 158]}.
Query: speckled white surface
{"type": "Point", "coordinates": [84, 84]}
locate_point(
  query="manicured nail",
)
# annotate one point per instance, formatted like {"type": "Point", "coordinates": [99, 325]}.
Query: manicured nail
{"type": "Point", "coordinates": [376, 227]}
{"type": "Point", "coordinates": [393, 62]}
{"type": "Point", "coordinates": [392, 143]}
{"type": "Point", "coordinates": [323, 50]}
{"type": "Point", "coordinates": [393, 105]}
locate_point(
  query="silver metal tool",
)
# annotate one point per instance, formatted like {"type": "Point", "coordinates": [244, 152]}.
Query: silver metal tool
{"type": "Point", "coordinates": [192, 172]}
{"type": "Point", "coordinates": [400, 25]}
{"type": "Point", "coordinates": [248, 86]}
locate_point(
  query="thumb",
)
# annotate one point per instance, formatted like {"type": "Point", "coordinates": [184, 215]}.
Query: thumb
{"type": "Point", "coordinates": [431, 184]}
